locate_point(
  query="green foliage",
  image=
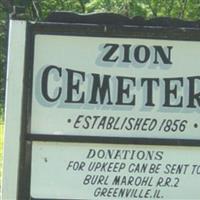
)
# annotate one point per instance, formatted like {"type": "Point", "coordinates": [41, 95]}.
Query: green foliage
{"type": "Point", "coordinates": [39, 9]}
{"type": "Point", "coordinates": [1, 112]}
{"type": "Point", "coordinates": [2, 55]}
{"type": "Point", "coordinates": [45, 7]}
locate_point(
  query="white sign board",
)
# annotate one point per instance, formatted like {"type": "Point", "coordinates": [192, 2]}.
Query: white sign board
{"type": "Point", "coordinates": [89, 107]}
{"type": "Point", "coordinates": [100, 171]}
{"type": "Point", "coordinates": [121, 87]}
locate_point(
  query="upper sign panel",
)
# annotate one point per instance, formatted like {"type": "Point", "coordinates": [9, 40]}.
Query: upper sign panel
{"type": "Point", "coordinates": [121, 87]}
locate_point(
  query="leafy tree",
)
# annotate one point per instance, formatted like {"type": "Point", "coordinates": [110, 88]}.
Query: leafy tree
{"type": "Point", "coordinates": [3, 31]}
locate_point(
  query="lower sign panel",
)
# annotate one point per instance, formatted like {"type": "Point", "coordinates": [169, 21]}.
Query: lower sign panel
{"type": "Point", "coordinates": [109, 171]}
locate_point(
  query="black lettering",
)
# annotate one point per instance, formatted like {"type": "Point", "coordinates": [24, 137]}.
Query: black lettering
{"type": "Point", "coordinates": [159, 155]}
{"type": "Point", "coordinates": [192, 95]}
{"type": "Point", "coordinates": [110, 52]}
{"type": "Point", "coordinates": [126, 53]}
{"type": "Point", "coordinates": [74, 87]}
{"type": "Point", "coordinates": [103, 89]}
{"type": "Point", "coordinates": [137, 54]}
{"type": "Point", "coordinates": [44, 83]}
{"type": "Point", "coordinates": [87, 124]}
{"type": "Point", "coordinates": [91, 153]}
{"type": "Point", "coordinates": [149, 84]}
{"type": "Point", "coordinates": [126, 91]}
{"type": "Point", "coordinates": [169, 92]}
{"type": "Point", "coordinates": [78, 121]}
{"type": "Point", "coordinates": [160, 51]}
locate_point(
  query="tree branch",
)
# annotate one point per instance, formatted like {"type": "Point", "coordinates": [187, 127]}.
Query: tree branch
{"type": "Point", "coordinates": [8, 6]}
{"type": "Point", "coordinates": [82, 5]}
{"type": "Point", "coordinates": [182, 12]}
{"type": "Point", "coordinates": [170, 8]}
{"type": "Point", "coordinates": [154, 11]}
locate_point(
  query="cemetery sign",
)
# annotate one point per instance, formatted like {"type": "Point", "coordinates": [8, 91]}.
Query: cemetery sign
{"type": "Point", "coordinates": [108, 108]}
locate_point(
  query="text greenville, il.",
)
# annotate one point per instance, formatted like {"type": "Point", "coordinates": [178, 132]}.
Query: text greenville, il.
{"type": "Point", "coordinates": [66, 85]}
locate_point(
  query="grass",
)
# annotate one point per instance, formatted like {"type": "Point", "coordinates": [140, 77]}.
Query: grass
{"type": "Point", "coordinates": [1, 142]}
{"type": "Point", "coordinates": [1, 152]}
